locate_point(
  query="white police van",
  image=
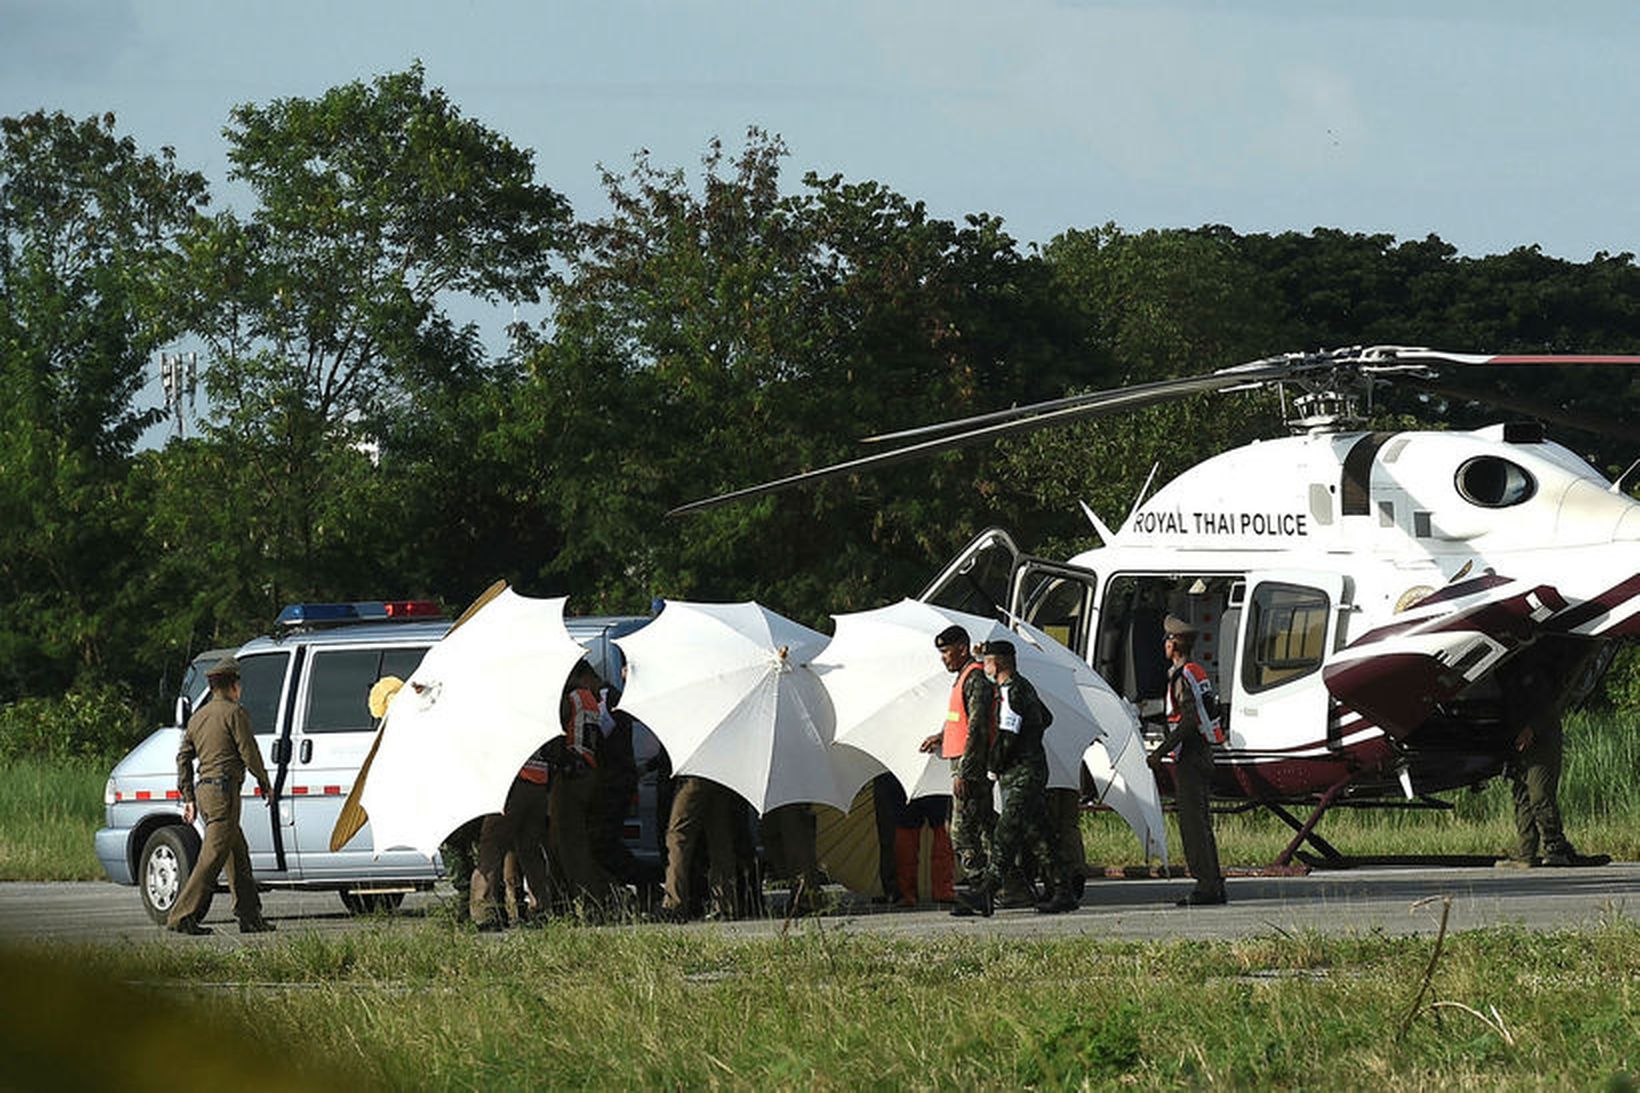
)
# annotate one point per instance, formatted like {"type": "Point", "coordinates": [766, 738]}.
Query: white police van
{"type": "Point", "coordinates": [306, 689]}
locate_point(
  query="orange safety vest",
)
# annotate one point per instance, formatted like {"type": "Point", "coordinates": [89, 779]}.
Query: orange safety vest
{"type": "Point", "coordinates": [1207, 721]}
{"type": "Point", "coordinates": [583, 729]}
{"type": "Point", "coordinates": [535, 768]}
{"type": "Point", "coordinates": [955, 739]}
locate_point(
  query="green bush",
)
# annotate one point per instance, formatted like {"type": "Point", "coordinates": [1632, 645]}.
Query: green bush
{"type": "Point", "coordinates": [98, 721]}
{"type": "Point", "coordinates": [1621, 684]}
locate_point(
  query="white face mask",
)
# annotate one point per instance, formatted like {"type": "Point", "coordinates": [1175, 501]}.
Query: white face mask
{"type": "Point", "coordinates": [990, 674]}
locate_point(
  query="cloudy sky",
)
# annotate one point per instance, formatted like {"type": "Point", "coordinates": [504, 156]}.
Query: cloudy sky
{"type": "Point", "coordinates": [1492, 123]}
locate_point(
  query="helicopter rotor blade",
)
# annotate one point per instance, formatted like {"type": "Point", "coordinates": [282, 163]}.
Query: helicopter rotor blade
{"type": "Point", "coordinates": [1368, 363]}
{"type": "Point", "coordinates": [1571, 419]}
{"type": "Point", "coordinates": [1259, 371]}
{"type": "Point", "coordinates": [1094, 405]}
{"type": "Point", "coordinates": [1435, 356]}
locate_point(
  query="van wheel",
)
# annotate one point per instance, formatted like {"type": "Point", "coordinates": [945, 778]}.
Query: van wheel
{"type": "Point", "coordinates": [162, 869]}
{"type": "Point", "coordinates": [369, 903]}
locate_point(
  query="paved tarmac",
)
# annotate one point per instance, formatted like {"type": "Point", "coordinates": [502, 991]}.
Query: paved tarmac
{"type": "Point", "coordinates": [1358, 902]}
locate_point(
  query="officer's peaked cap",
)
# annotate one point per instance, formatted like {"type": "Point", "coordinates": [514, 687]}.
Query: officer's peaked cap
{"type": "Point", "coordinates": [224, 668]}
{"type": "Point", "coordinates": [1175, 625]}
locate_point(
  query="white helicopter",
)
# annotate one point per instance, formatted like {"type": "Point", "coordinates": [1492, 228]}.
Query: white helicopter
{"type": "Point", "coordinates": [1356, 593]}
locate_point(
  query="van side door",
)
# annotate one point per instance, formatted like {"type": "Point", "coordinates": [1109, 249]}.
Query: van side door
{"type": "Point", "coordinates": [263, 679]}
{"type": "Point", "coordinates": [333, 734]}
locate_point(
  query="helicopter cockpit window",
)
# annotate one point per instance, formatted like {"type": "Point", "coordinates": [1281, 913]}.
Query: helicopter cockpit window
{"type": "Point", "coordinates": [1494, 483]}
{"type": "Point", "coordinates": [980, 586]}
{"type": "Point", "coordinates": [1288, 635]}
{"type": "Point", "coordinates": [1057, 606]}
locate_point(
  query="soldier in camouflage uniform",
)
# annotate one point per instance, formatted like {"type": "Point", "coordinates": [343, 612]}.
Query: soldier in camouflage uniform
{"type": "Point", "coordinates": [1021, 766]}
{"type": "Point", "coordinates": [966, 741]}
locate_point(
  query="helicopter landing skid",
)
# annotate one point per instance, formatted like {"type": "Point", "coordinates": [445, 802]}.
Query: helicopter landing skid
{"type": "Point", "coordinates": [1305, 832]}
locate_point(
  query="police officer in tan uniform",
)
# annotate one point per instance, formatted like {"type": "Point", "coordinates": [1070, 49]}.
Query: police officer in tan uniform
{"type": "Point", "coordinates": [1193, 766]}
{"type": "Point", "coordinates": [220, 738]}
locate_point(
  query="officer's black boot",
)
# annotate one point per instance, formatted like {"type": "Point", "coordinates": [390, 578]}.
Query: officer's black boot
{"type": "Point", "coordinates": [1064, 899]}
{"type": "Point", "coordinates": [977, 900]}
{"type": "Point", "coordinates": [190, 925]}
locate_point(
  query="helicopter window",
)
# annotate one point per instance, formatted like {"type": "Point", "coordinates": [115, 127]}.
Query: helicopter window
{"type": "Point", "coordinates": [1494, 483]}
{"type": "Point", "coordinates": [1386, 514]}
{"type": "Point", "coordinates": [1288, 635]}
{"type": "Point", "coordinates": [980, 586]}
{"type": "Point", "coordinates": [1057, 606]}
{"type": "Point", "coordinates": [1321, 506]}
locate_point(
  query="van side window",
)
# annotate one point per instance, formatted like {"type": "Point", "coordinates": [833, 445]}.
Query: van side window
{"type": "Point", "coordinates": [1287, 632]}
{"type": "Point", "coordinates": [401, 662]}
{"type": "Point", "coordinates": [262, 681]}
{"type": "Point", "coordinates": [339, 690]}
{"type": "Point", "coordinates": [339, 685]}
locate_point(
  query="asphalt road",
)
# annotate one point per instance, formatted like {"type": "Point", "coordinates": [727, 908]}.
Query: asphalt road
{"type": "Point", "coordinates": [1359, 901]}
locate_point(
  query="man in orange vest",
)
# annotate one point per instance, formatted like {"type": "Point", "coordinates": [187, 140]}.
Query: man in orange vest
{"type": "Point", "coordinates": [1192, 728]}
{"type": "Point", "coordinates": [574, 791]}
{"type": "Point", "coordinates": [970, 726]}
{"type": "Point", "coordinates": [518, 828]}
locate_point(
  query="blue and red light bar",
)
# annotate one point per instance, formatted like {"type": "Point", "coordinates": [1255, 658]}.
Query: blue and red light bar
{"type": "Point", "coordinates": [331, 614]}
{"type": "Point", "coordinates": [306, 614]}
{"type": "Point", "coordinates": [413, 609]}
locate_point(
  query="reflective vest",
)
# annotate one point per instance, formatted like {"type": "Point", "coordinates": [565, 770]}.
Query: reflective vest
{"type": "Point", "coordinates": [583, 730]}
{"type": "Point", "coordinates": [1207, 703]}
{"type": "Point", "coordinates": [535, 768]}
{"type": "Point", "coordinates": [955, 739]}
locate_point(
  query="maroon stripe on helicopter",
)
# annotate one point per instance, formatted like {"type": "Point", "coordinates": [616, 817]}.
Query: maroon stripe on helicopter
{"type": "Point", "coordinates": [1495, 619]}
{"type": "Point", "coordinates": [1396, 691]}
{"type": "Point", "coordinates": [1464, 588]}
{"type": "Point", "coordinates": [1572, 618]}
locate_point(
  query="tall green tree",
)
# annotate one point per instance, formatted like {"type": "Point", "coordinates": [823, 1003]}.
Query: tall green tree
{"type": "Point", "coordinates": [715, 334]}
{"type": "Point", "coordinates": [326, 307]}
{"type": "Point", "coordinates": [88, 227]}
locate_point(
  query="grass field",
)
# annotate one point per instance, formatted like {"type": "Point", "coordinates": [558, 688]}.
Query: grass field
{"type": "Point", "coordinates": [49, 811]}
{"type": "Point", "coordinates": [440, 1008]}
{"type": "Point", "coordinates": [437, 1007]}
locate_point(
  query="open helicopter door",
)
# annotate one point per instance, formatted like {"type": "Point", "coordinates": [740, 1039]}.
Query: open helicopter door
{"type": "Point", "coordinates": [1289, 621]}
{"type": "Point", "coordinates": [978, 580]}
{"type": "Point", "coordinates": [1057, 599]}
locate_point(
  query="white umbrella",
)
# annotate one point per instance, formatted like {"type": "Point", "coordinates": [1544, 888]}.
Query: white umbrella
{"type": "Point", "coordinates": [454, 736]}
{"type": "Point", "coordinates": [1125, 784]}
{"type": "Point", "coordinates": [1121, 777]}
{"type": "Point", "coordinates": [729, 691]}
{"type": "Point", "coordinates": [891, 690]}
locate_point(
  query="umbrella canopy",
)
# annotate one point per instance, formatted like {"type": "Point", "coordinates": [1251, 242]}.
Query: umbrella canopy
{"type": "Point", "coordinates": [891, 690]}
{"type": "Point", "coordinates": [455, 734]}
{"type": "Point", "coordinates": [729, 691]}
{"type": "Point", "coordinates": [1124, 783]}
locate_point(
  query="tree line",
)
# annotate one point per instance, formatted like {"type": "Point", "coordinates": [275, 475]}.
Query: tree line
{"type": "Point", "coordinates": [718, 326]}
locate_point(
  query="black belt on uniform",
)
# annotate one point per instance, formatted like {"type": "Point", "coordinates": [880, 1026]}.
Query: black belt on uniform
{"type": "Point", "coordinates": [223, 780]}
